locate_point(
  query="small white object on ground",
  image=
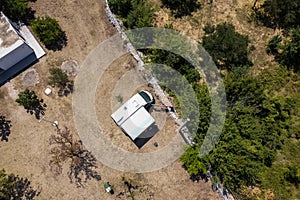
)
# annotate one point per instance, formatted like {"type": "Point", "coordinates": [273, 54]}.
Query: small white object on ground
{"type": "Point", "coordinates": [55, 123]}
{"type": "Point", "coordinates": [108, 189]}
{"type": "Point", "coordinates": [48, 91]}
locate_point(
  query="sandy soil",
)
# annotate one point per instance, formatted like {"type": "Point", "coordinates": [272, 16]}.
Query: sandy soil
{"type": "Point", "coordinates": [27, 151]}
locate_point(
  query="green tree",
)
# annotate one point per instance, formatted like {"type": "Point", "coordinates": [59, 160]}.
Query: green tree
{"type": "Point", "coordinates": [175, 61]}
{"type": "Point", "coordinates": [49, 32]}
{"type": "Point", "coordinates": [4, 128]}
{"type": "Point", "coordinates": [14, 187]}
{"type": "Point", "coordinates": [58, 78]}
{"type": "Point", "coordinates": [141, 15]}
{"type": "Point", "coordinates": [291, 50]}
{"type": "Point", "coordinates": [134, 13]}
{"type": "Point", "coordinates": [181, 8]}
{"type": "Point", "coordinates": [191, 161]}
{"type": "Point", "coordinates": [120, 7]}
{"type": "Point", "coordinates": [256, 126]}
{"type": "Point", "coordinates": [273, 45]}
{"type": "Point", "coordinates": [282, 13]}
{"type": "Point", "coordinates": [204, 103]}
{"type": "Point", "coordinates": [16, 9]}
{"type": "Point", "coordinates": [228, 48]}
{"type": "Point", "coordinates": [29, 100]}
{"type": "Point", "coordinates": [293, 175]}
{"type": "Point", "coordinates": [286, 51]}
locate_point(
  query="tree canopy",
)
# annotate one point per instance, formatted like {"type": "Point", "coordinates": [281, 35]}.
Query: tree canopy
{"type": "Point", "coordinates": [256, 126]}
{"type": "Point", "coordinates": [29, 100]}
{"type": "Point", "coordinates": [14, 187]}
{"type": "Point", "coordinates": [227, 47]}
{"type": "Point", "coordinates": [60, 79]}
{"type": "Point", "coordinates": [16, 9]}
{"type": "Point", "coordinates": [49, 32]}
{"type": "Point", "coordinates": [134, 13]}
{"type": "Point", "coordinates": [181, 8]}
{"type": "Point", "coordinates": [57, 78]}
{"type": "Point", "coordinates": [175, 61]}
{"type": "Point", "coordinates": [120, 7]}
{"type": "Point", "coordinates": [282, 13]}
{"type": "Point", "coordinates": [286, 51]}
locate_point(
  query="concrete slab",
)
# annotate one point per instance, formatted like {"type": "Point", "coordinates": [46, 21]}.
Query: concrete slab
{"type": "Point", "coordinates": [32, 42]}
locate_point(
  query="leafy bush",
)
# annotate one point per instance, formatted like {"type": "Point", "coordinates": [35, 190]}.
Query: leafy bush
{"type": "Point", "coordinates": [29, 100]}
{"type": "Point", "coordinates": [282, 13]}
{"type": "Point", "coordinates": [49, 32]}
{"type": "Point", "coordinates": [293, 175]}
{"type": "Point", "coordinates": [58, 78]}
{"type": "Point", "coordinates": [120, 7]}
{"type": "Point", "coordinates": [256, 126]}
{"type": "Point", "coordinates": [134, 13]}
{"type": "Point", "coordinates": [228, 48]}
{"type": "Point", "coordinates": [273, 45]}
{"type": "Point", "coordinates": [16, 9]}
{"type": "Point", "coordinates": [286, 51]}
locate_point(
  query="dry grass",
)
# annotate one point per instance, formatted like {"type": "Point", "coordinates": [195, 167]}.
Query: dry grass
{"type": "Point", "coordinates": [27, 151]}
{"type": "Point", "coordinates": [239, 13]}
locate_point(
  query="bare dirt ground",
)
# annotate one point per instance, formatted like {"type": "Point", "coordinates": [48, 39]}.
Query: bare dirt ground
{"type": "Point", "coordinates": [27, 151]}
{"type": "Point", "coordinates": [104, 108]}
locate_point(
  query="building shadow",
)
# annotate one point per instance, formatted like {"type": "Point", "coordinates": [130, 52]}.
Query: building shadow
{"type": "Point", "coordinates": [146, 136]}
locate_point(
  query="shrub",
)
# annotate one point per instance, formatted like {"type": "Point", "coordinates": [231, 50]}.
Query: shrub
{"type": "Point", "coordinates": [49, 32]}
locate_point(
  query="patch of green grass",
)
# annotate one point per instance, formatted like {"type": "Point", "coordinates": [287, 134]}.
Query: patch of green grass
{"type": "Point", "coordinates": [119, 98]}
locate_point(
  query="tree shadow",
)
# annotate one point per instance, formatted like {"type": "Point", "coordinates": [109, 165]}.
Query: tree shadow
{"type": "Point", "coordinates": [4, 128]}
{"type": "Point", "coordinates": [38, 109]}
{"type": "Point", "coordinates": [131, 190]}
{"type": "Point", "coordinates": [196, 177]}
{"type": "Point", "coordinates": [61, 42]}
{"type": "Point", "coordinates": [182, 8]}
{"type": "Point", "coordinates": [83, 163]}
{"type": "Point", "coordinates": [22, 188]}
{"type": "Point", "coordinates": [29, 17]}
{"type": "Point", "coordinates": [262, 19]}
{"type": "Point", "coordinates": [68, 89]}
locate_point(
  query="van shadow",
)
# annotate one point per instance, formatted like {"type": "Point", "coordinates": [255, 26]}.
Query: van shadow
{"type": "Point", "coordinates": [146, 136]}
